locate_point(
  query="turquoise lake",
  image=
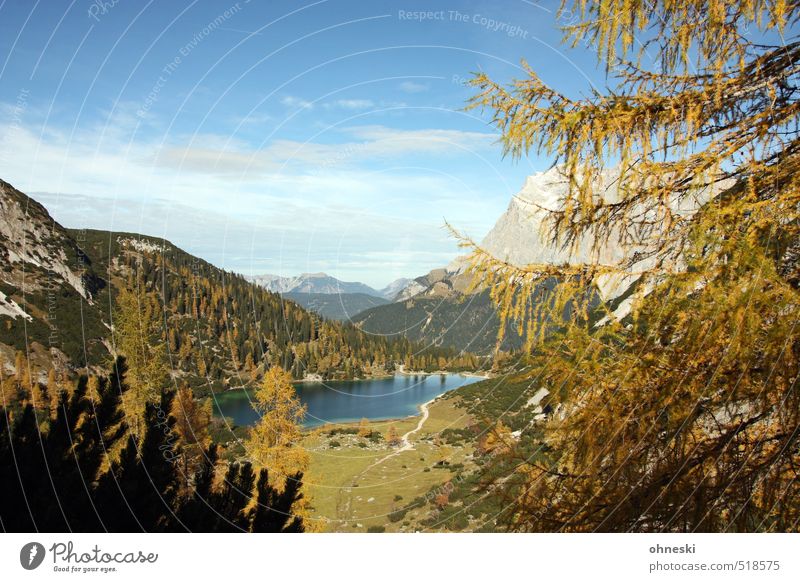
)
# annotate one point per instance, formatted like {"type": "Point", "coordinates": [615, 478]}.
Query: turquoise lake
{"type": "Point", "coordinates": [332, 402]}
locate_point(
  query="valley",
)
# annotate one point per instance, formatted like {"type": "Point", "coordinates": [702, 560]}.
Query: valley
{"type": "Point", "coordinates": [215, 335]}
{"type": "Point", "coordinates": [357, 267]}
{"type": "Point", "coordinates": [394, 433]}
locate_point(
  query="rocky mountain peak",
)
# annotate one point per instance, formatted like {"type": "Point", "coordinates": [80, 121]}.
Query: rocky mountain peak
{"type": "Point", "coordinates": [37, 251]}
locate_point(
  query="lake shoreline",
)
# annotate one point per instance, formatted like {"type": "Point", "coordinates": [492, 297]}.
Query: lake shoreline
{"type": "Point", "coordinates": [483, 376]}
{"type": "Point", "coordinates": [345, 403]}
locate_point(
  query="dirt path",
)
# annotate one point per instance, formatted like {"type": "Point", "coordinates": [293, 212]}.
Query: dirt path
{"type": "Point", "coordinates": [345, 502]}
{"type": "Point", "coordinates": [407, 444]}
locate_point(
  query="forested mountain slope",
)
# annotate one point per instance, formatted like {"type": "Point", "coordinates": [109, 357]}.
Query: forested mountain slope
{"type": "Point", "coordinates": [59, 291]}
{"type": "Point", "coordinates": [463, 322]}
{"type": "Point", "coordinates": [339, 306]}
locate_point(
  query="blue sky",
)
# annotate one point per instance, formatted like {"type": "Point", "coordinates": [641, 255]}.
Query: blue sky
{"type": "Point", "coordinates": [272, 137]}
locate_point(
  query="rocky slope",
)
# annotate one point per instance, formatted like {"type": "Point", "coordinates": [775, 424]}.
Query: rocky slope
{"type": "Point", "coordinates": [47, 283]}
{"type": "Point", "coordinates": [463, 322]}
{"type": "Point", "coordinates": [434, 301]}
{"type": "Point", "coordinates": [392, 289]}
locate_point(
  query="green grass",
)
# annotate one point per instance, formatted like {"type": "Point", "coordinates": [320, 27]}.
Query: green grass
{"type": "Point", "coordinates": [349, 490]}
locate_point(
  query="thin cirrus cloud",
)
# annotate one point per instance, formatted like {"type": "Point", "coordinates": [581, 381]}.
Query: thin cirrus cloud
{"type": "Point", "coordinates": [344, 241]}
{"type": "Point", "coordinates": [293, 102]}
{"type": "Point", "coordinates": [370, 143]}
{"type": "Point", "coordinates": [100, 159]}
{"type": "Point", "coordinates": [350, 104]}
{"type": "Point", "coordinates": [413, 87]}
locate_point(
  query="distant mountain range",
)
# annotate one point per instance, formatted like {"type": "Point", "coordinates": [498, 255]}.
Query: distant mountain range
{"type": "Point", "coordinates": [328, 296]}
{"type": "Point", "coordinates": [322, 283]}
{"type": "Point", "coordinates": [340, 306]}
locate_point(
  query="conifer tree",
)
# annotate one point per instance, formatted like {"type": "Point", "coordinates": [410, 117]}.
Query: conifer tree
{"type": "Point", "coordinates": [364, 429]}
{"type": "Point", "coordinates": [140, 490]}
{"type": "Point", "coordinates": [192, 419]}
{"type": "Point", "coordinates": [198, 513]}
{"type": "Point", "coordinates": [274, 442]}
{"type": "Point", "coordinates": [683, 416]}
{"type": "Point", "coordinates": [59, 479]}
{"type": "Point", "coordinates": [137, 336]}
{"type": "Point", "coordinates": [273, 510]}
{"type": "Point", "coordinates": [392, 437]}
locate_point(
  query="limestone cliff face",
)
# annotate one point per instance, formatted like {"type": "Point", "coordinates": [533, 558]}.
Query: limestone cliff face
{"type": "Point", "coordinates": [37, 252]}
{"type": "Point", "coordinates": [520, 237]}
{"type": "Point", "coordinates": [46, 283]}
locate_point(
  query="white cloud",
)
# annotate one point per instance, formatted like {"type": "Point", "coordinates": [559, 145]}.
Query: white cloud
{"type": "Point", "coordinates": [350, 104]}
{"type": "Point", "coordinates": [296, 103]}
{"type": "Point", "coordinates": [373, 143]}
{"type": "Point", "coordinates": [277, 236]}
{"type": "Point", "coordinates": [251, 119]}
{"type": "Point", "coordinates": [412, 87]}
{"type": "Point", "coordinates": [421, 139]}
{"type": "Point", "coordinates": [291, 205]}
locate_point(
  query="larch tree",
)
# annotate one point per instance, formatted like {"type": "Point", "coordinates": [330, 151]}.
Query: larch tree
{"type": "Point", "coordinates": [137, 336]}
{"type": "Point", "coordinates": [40, 398]}
{"type": "Point", "coordinates": [22, 372]}
{"type": "Point", "coordinates": [392, 437]}
{"type": "Point", "coordinates": [683, 415]}
{"type": "Point", "coordinates": [192, 420]}
{"type": "Point", "coordinates": [364, 430]}
{"type": "Point", "coordinates": [274, 442]}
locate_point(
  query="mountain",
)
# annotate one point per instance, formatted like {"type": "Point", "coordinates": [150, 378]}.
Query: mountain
{"type": "Point", "coordinates": [58, 291]}
{"type": "Point", "coordinates": [48, 286]}
{"type": "Point", "coordinates": [461, 322]}
{"type": "Point", "coordinates": [324, 284]}
{"type": "Point", "coordinates": [450, 281]}
{"type": "Point", "coordinates": [340, 306]}
{"type": "Point", "coordinates": [436, 308]}
{"type": "Point", "coordinates": [517, 235]}
{"type": "Point", "coordinates": [311, 283]}
{"type": "Point", "coordinates": [392, 289]}
{"type": "Point", "coordinates": [435, 303]}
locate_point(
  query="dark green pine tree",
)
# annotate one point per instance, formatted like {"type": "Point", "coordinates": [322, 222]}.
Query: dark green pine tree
{"type": "Point", "coordinates": [273, 510]}
{"type": "Point", "coordinates": [232, 499]}
{"type": "Point", "coordinates": [63, 493]}
{"type": "Point", "coordinates": [139, 492]}
{"type": "Point", "coordinates": [199, 512]}
{"type": "Point", "coordinates": [102, 428]}
{"type": "Point", "coordinates": [49, 477]}
{"type": "Point", "coordinates": [16, 472]}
